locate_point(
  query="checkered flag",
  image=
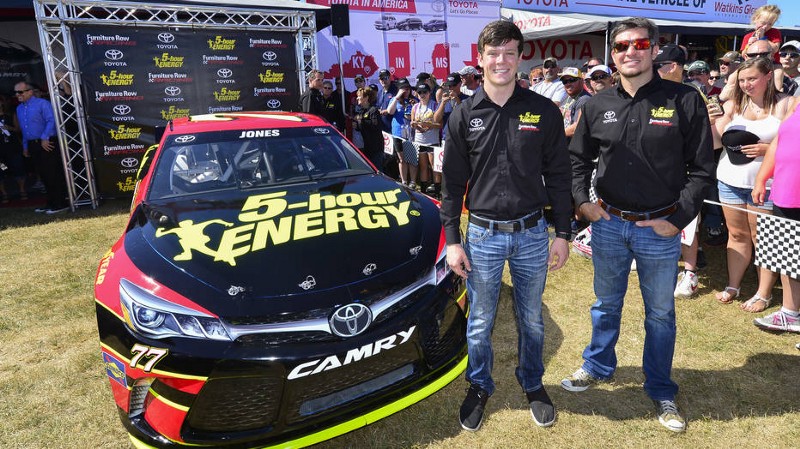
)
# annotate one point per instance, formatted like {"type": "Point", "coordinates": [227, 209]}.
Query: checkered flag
{"type": "Point", "coordinates": [592, 191]}
{"type": "Point", "coordinates": [778, 247]}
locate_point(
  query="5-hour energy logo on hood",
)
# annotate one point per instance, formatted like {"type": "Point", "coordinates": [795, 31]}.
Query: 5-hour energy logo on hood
{"type": "Point", "coordinates": [263, 222]}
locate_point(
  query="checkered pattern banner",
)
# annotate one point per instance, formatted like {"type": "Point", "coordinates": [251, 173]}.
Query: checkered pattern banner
{"type": "Point", "coordinates": [778, 247]}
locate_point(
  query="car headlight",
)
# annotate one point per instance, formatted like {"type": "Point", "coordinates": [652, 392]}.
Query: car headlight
{"type": "Point", "coordinates": [155, 317]}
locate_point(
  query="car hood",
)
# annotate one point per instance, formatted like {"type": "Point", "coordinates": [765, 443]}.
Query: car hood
{"type": "Point", "coordinates": [286, 241]}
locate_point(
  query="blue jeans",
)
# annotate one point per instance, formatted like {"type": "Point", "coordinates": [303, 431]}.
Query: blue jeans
{"type": "Point", "coordinates": [526, 253]}
{"type": "Point", "coordinates": [615, 243]}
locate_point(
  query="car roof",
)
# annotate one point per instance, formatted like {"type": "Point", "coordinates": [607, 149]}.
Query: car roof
{"type": "Point", "coordinates": [244, 120]}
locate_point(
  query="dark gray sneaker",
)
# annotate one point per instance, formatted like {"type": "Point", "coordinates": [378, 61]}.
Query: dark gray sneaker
{"type": "Point", "coordinates": [542, 409]}
{"type": "Point", "coordinates": [471, 412]}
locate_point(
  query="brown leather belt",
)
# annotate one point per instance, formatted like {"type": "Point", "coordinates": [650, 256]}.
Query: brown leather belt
{"type": "Point", "coordinates": [521, 224]}
{"type": "Point", "coordinates": [637, 216]}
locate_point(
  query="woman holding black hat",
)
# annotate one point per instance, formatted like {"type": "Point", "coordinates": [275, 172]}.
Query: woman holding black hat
{"type": "Point", "coordinates": [749, 124]}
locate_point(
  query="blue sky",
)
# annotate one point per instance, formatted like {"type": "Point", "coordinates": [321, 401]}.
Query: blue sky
{"type": "Point", "coordinates": [790, 12]}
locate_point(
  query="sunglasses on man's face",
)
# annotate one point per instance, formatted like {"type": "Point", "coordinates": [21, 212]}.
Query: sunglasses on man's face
{"type": "Point", "coordinates": [697, 72]}
{"type": "Point", "coordinates": [637, 44]}
{"type": "Point", "coordinates": [568, 80]}
{"type": "Point", "coordinates": [763, 54]}
{"type": "Point", "coordinates": [721, 62]}
{"type": "Point", "coordinates": [600, 77]}
{"type": "Point", "coordinates": [537, 80]}
{"type": "Point", "coordinates": [20, 92]}
{"type": "Point", "coordinates": [549, 64]}
{"type": "Point", "coordinates": [788, 54]}
{"type": "Point", "coordinates": [714, 78]}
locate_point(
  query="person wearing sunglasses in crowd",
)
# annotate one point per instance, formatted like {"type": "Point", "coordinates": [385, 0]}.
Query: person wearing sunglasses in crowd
{"type": "Point", "coordinates": [790, 59]}
{"type": "Point", "coordinates": [655, 164]}
{"type": "Point", "coordinates": [699, 73]}
{"type": "Point", "coordinates": [728, 64]}
{"type": "Point", "coordinates": [587, 66]}
{"type": "Point", "coordinates": [551, 86]}
{"type": "Point", "coordinates": [535, 76]}
{"type": "Point", "coordinates": [763, 18]}
{"type": "Point", "coordinates": [759, 49]}
{"type": "Point", "coordinates": [599, 77]}
{"type": "Point", "coordinates": [715, 79]}
{"type": "Point", "coordinates": [572, 80]}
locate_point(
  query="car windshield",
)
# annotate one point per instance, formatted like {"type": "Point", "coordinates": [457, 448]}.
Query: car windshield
{"type": "Point", "coordinates": [200, 163]}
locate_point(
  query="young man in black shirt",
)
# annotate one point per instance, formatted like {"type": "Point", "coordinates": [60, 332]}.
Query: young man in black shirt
{"type": "Point", "coordinates": [653, 141]}
{"type": "Point", "coordinates": [507, 143]}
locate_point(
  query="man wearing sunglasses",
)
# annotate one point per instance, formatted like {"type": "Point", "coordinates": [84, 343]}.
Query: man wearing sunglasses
{"type": "Point", "coordinates": [572, 80]}
{"type": "Point", "coordinates": [38, 143]}
{"type": "Point", "coordinates": [728, 63]}
{"type": "Point", "coordinates": [600, 78]}
{"type": "Point", "coordinates": [551, 86]}
{"type": "Point", "coordinates": [653, 141]}
{"type": "Point", "coordinates": [790, 59]}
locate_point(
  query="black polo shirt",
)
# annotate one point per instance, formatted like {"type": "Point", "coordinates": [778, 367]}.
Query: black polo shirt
{"type": "Point", "coordinates": [514, 159]}
{"type": "Point", "coordinates": [654, 149]}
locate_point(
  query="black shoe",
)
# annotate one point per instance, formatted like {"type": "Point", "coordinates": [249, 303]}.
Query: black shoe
{"type": "Point", "coordinates": [701, 258]}
{"type": "Point", "coordinates": [471, 412]}
{"type": "Point", "coordinates": [431, 189]}
{"type": "Point", "coordinates": [542, 409]}
{"type": "Point", "coordinates": [716, 236]}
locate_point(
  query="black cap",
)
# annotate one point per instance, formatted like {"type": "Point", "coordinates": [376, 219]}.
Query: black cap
{"type": "Point", "coordinates": [452, 79]}
{"type": "Point", "coordinates": [670, 53]}
{"type": "Point", "coordinates": [384, 74]}
{"type": "Point", "coordinates": [423, 76]}
{"type": "Point", "coordinates": [359, 77]}
{"type": "Point", "coordinates": [732, 140]}
{"type": "Point", "coordinates": [422, 87]}
{"type": "Point", "coordinates": [374, 87]}
{"type": "Point", "coordinates": [402, 83]}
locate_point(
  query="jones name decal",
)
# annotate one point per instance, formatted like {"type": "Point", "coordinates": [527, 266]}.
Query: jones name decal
{"type": "Point", "coordinates": [263, 222]}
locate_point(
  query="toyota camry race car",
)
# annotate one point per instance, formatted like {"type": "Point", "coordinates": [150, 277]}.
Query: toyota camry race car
{"type": "Point", "coordinates": [272, 288]}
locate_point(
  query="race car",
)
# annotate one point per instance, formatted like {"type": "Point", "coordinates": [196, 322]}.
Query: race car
{"type": "Point", "coordinates": [273, 289]}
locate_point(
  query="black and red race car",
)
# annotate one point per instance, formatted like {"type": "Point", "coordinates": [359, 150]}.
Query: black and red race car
{"type": "Point", "coordinates": [272, 288]}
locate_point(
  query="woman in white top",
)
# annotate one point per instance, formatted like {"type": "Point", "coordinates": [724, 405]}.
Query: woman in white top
{"type": "Point", "coordinates": [758, 108]}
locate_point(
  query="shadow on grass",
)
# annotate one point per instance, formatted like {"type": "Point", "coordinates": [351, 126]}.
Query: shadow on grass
{"type": "Point", "coordinates": [708, 394]}
{"type": "Point", "coordinates": [20, 217]}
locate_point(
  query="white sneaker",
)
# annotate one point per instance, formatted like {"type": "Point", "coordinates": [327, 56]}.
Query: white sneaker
{"type": "Point", "coordinates": [687, 285]}
{"type": "Point", "coordinates": [779, 321]}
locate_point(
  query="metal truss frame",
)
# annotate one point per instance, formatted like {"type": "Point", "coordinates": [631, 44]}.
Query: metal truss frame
{"type": "Point", "coordinates": [54, 19]}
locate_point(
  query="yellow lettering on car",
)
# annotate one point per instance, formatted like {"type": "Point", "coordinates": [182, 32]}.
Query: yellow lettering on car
{"type": "Point", "coordinates": [263, 222]}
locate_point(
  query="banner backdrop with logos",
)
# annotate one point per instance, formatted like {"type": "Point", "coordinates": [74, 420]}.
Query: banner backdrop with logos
{"type": "Point", "coordinates": [406, 37]}
{"type": "Point", "coordinates": [136, 79]}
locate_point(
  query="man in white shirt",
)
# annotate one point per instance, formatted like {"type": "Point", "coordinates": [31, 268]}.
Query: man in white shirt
{"type": "Point", "coordinates": [470, 80]}
{"type": "Point", "coordinates": [551, 87]}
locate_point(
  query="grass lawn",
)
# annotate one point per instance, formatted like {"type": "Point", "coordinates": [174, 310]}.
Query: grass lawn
{"type": "Point", "coordinates": [739, 385]}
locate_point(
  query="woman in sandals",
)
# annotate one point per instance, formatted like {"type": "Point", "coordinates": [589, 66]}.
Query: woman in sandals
{"type": "Point", "coordinates": [749, 124]}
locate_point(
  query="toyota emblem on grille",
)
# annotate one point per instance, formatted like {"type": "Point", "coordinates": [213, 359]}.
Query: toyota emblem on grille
{"type": "Point", "coordinates": [114, 54]}
{"type": "Point", "coordinates": [184, 139]}
{"type": "Point", "coordinates": [166, 37]}
{"type": "Point", "coordinates": [350, 320]}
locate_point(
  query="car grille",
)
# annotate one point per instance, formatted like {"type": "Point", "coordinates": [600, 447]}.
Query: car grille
{"type": "Point", "coordinates": [236, 404]}
{"type": "Point", "coordinates": [340, 379]}
{"type": "Point", "coordinates": [284, 338]}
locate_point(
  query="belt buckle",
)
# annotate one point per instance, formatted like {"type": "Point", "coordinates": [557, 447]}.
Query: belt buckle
{"type": "Point", "coordinates": [629, 216]}
{"type": "Point", "coordinates": [505, 227]}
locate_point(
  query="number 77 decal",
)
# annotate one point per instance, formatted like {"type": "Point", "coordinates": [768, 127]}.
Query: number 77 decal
{"type": "Point", "coordinates": [141, 351]}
